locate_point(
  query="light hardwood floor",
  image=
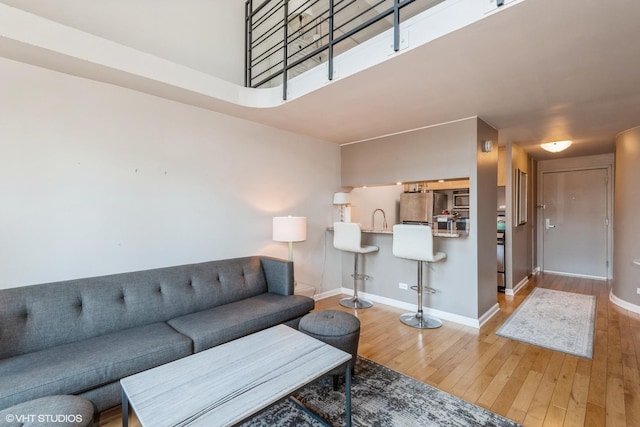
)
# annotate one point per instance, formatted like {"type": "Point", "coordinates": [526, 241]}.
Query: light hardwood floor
{"type": "Point", "coordinates": [528, 384]}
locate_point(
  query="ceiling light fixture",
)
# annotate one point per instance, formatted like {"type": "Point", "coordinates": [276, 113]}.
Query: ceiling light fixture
{"type": "Point", "coordinates": [556, 146]}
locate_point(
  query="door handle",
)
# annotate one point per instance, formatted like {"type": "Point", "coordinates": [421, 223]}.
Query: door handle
{"type": "Point", "coordinates": [547, 224]}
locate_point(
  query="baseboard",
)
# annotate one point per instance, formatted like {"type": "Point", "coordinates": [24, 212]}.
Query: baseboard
{"type": "Point", "coordinates": [327, 294]}
{"type": "Point", "coordinates": [582, 276]}
{"type": "Point", "coordinates": [444, 315]}
{"type": "Point", "coordinates": [488, 315]}
{"type": "Point", "coordinates": [516, 289]}
{"type": "Point", "coordinates": [301, 288]}
{"type": "Point", "coordinates": [622, 303]}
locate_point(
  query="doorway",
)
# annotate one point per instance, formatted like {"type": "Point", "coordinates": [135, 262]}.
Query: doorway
{"type": "Point", "coordinates": [574, 222]}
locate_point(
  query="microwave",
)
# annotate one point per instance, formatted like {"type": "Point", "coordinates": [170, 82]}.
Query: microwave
{"type": "Point", "coordinates": [461, 201]}
{"type": "Point", "coordinates": [451, 224]}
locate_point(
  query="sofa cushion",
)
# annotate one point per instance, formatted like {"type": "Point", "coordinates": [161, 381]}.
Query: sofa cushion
{"type": "Point", "coordinates": [58, 411]}
{"type": "Point", "coordinates": [218, 325]}
{"type": "Point", "coordinates": [38, 317]}
{"type": "Point", "coordinates": [80, 366]}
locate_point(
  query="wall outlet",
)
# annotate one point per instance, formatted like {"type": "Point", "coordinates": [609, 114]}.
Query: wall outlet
{"type": "Point", "coordinates": [403, 285]}
{"type": "Point", "coordinates": [638, 291]}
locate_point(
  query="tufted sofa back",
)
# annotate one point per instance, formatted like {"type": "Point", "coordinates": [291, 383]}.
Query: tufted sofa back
{"type": "Point", "coordinates": [41, 316]}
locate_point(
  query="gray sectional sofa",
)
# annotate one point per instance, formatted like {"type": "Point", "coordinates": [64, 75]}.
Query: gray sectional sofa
{"type": "Point", "coordinates": [82, 336]}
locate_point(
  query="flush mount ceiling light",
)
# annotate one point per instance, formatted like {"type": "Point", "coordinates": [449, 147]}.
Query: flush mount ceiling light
{"type": "Point", "coordinates": [556, 146]}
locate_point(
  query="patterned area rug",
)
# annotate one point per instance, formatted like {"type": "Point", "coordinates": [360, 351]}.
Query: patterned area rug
{"type": "Point", "coordinates": [379, 397]}
{"type": "Point", "coordinates": [562, 321]}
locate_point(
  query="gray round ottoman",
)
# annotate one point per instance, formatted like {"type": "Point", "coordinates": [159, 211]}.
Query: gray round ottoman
{"type": "Point", "coordinates": [336, 328]}
{"type": "Point", "coordinates": [59, 411]}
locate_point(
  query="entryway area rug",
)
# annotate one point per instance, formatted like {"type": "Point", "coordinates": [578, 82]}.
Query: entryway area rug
{"type": "Point", "coordinates": [557, 320]}
{"type": "Point", "coordinates": [379, 397]}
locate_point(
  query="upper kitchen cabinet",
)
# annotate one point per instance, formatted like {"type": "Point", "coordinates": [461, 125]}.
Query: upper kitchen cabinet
{"type": "Point", "coordinates": [441, 184]}
{"type": "Point", "coordinates": [502, 166]}
{"type": "Point", "coordinates": [452, 184]}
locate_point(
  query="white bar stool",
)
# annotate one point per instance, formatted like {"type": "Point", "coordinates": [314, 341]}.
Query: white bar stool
{"type": "Point", "coordinates": [347, 236]}
{"type": "Point", "coordinates": [415, 242]}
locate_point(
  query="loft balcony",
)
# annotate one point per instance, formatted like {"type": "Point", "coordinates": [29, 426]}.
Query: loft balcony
{"type": "Point", "coordinates": [299, 45]}
{"type": "Point", "coordinates": [364, 35]}
{"type": "Point", "coordinates": [285, 38]}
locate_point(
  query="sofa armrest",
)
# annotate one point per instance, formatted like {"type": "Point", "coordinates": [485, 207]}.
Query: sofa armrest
{"type": "Point", "coordinates": [279, 275]}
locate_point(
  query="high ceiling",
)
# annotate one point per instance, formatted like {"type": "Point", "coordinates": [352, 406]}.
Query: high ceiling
{"type": "Point", "coordinates": [541, 70]}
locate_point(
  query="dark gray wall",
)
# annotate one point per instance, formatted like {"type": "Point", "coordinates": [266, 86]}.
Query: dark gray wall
{"type": "Point", "coordinates": [518, 244]}
{"type": "Point", "coordinates": [485, 211]}
{"type": "Point", "coordinates": [467, 279]}
{"type": "Point", "coordinates": [437, 152]}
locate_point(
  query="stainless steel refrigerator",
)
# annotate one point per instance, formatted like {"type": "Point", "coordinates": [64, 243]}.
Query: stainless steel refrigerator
{"type": "Point", "coordinates": [420, 208]}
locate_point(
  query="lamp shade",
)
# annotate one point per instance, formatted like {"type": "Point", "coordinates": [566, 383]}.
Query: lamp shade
{"type": "Point", "coordinates": [289, 228]}
{"type": "Point", "coordinates": [341, 198]}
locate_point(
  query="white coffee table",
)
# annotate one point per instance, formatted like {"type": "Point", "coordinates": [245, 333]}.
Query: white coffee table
{"type": "Point", "coordinates": [227, 384]}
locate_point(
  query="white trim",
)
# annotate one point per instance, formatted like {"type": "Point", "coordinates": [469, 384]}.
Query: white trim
{"type": "Point", "coordinates": [407, 131]}
{"type": "Point", "coordinates": [622, 303]}
{"type": "Point", "coordinates": [489, 314]}
{"type": "Point", "coordinates": [583, 276]}
{"type": "Point", "coordinates": [521, 284]}
{"type": "Point", "coordinates": [327, 294]}
{"type": "Point", "coordinates": [444, 315]}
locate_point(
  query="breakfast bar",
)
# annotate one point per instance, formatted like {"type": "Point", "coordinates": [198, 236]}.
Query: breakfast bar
{"type": "Point", "coordinates": [391, 278]}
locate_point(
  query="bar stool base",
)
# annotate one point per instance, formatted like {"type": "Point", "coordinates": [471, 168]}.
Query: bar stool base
{"type": "Point", "coordinates": [355, 302]}
{"type": "Point", "coordinates": [420, 321]}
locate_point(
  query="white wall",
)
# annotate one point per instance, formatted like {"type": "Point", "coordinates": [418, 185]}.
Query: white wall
{"type": "Point", "coordinates": [97, 179]}
{"type": "Point", "coordinates": [205, 35]}
{"type": "Point", "coordinates": [626, 273]}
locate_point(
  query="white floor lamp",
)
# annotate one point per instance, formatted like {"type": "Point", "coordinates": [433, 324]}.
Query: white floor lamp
{"type": "Point", "coordinates": [290, 229]}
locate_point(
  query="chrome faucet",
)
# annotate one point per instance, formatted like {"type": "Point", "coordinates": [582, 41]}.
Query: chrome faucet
{"type": "Point", "coordinates": [373, 219]}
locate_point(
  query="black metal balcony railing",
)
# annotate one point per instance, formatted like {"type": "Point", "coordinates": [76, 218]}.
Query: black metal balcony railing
{"type": "Point", "coordinates": [286, 37]}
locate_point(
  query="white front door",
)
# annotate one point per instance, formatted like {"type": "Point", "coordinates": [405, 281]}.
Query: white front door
{"type": "Point", "coordinates": [574, 222]}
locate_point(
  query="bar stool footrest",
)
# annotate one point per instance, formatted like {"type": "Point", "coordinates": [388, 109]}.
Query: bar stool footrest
{"type": "Point", "coordinates": [424, 289]}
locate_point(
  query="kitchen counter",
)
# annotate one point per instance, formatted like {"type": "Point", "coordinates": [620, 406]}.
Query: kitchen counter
{"type": "Point", "coordinates": [376, 230]}
{"type": "Point", "coordinates": [389, 231]}
{"type": "Point", "coordinates": [387, 273]}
